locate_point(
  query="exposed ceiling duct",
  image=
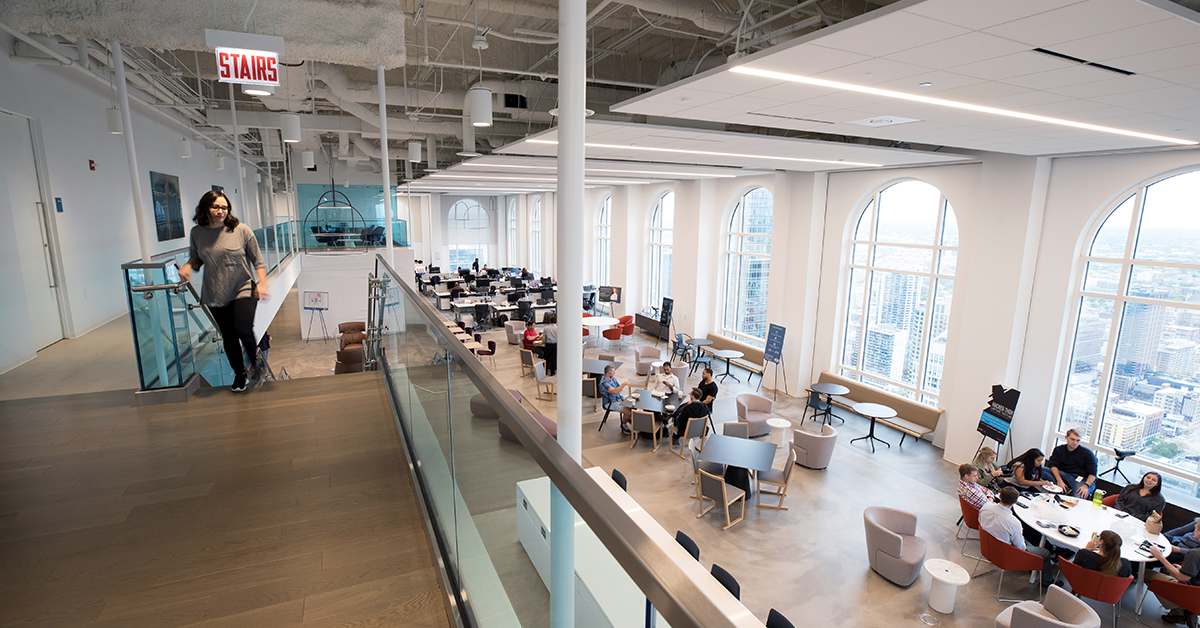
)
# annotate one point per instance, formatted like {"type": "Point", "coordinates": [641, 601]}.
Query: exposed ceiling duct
{"type": "Point", "coordinates": [352, 33]}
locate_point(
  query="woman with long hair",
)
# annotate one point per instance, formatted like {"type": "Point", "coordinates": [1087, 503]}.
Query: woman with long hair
{"type": "Point", "coordinates": [228, 251]}
{"type": "Point", "coordinates": [1104, 555]}
{"type": "Point", "coordinates": [985, 462]}
{"type": "Point", "coordinates": [1143, 498]}
{"type": "Point", "coordinates": [1028, 470]}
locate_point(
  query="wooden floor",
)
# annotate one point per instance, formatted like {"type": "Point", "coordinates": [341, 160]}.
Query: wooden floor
{"type": "Point", "coordinates": [285, 506]}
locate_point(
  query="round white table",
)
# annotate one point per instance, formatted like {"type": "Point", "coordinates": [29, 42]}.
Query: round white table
{"type": "Point", "coordinates": [597, 322]}
{"type": "Point", "coordinates": [779, 430]}
{"type": "Point", "coordinates": [947, 577]}
{"type": "Point", "coordinates": [1089, 518]}
{"type": "Point", "coordinates": [873, 411]}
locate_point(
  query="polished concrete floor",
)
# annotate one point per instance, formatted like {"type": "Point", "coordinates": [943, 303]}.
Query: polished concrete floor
{"type": "Point", "coordinates": [809, 562]}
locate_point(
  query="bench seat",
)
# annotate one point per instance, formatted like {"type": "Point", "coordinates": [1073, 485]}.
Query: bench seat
{"type": "Point", "coordinates": [752, 360]}
{"type": "Point", "coordinates": [912, 418]}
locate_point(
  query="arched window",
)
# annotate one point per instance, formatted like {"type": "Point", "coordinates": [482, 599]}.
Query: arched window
{"type": "Point", "coordinates": [511, 219]}
{"type": "Point", "coordinates": [469, 234]}
{"type": "Point", "coordinates": [902, 257]}
{"type": "Point", "coordinates": [748, 268]}
{"type": "Point", "coordinates": [535, 246]}
{"type": "Point", "coordinates": [604, 241]}
{"type": "Point", "coordinates": [1136, 332]}
{"type": "Point", "coordinates": [662, 224]}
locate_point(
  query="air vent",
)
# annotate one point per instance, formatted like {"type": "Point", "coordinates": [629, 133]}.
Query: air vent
{"type": "Point", "coordinates": [879, 121]}
{"type": "Point", "coordinates": [772, 115]}
{"type": "Point", "coordinates": [1099, 66]}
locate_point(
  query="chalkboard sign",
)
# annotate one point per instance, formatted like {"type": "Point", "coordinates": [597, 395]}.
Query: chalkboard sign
{"type": "Point", "coordinates": [664, 317]}
{"type": "Point", "coordinates": [997, 417]}
{"type": "Point", "coordinates": [774, 349]}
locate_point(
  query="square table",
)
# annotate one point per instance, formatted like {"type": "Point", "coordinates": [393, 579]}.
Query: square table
{"type": "Point", "coordinates": [592, 366]}
{"type": "Point", "coordinates": [741, 453]}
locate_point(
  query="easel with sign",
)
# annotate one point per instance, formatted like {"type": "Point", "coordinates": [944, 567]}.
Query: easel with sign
{"type": "Point", "coordinates": [316, 303]}
{"type": "Point", "coordinates": [664, 319]}
{"type": "Point", "coordinates": [773, 352]}
{"type": "Point", "coordinates": [996, 421]}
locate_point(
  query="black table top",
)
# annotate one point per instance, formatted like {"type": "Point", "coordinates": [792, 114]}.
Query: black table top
{"type": "Point", "coordinates": [739, 452]}
{"type": "Point", "coordinates": [648, 403]}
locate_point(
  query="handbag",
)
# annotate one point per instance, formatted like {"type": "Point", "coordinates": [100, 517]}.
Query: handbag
{"type": "Point", "coordinates": [1154, 523]}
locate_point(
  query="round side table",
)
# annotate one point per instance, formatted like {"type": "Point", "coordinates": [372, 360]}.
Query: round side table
{"type": "Point", "coordinates": [947, 577]}
{"type": "Point", "coordinates": [779, 430]}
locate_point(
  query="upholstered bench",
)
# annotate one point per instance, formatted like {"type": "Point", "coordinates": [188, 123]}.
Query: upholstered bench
{"type": "Point", "coordinates": [912, 418]}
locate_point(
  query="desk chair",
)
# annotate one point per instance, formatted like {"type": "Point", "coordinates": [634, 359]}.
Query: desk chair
{"type": "Point", "coordinates": [775, 619]}
{"type": "Point", "coordinates": [619, 478]}
{"type": "Point", "coordinates": [688, 544]}
{"type": "Point", "coordinates": [727, 580]}
{"type": "Point", "coordinates": [818, 405]}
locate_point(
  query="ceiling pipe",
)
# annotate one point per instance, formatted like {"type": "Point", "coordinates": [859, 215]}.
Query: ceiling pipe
{"type": "Point", "coordinates": [541, 75]}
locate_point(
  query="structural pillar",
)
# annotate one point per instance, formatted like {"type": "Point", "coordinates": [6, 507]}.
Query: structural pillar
{"type": "Point", "coordinates": [237, 153]}
{"type": "Point", "coordinates": [568, 227]}
{"type": "Point", "coordinates": [387, 163]}
{"type": "Point", "coordinates": [130, 153]}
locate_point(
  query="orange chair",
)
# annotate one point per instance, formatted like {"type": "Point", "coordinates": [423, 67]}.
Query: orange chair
{"type": "Point", "coordinates": [585, 315]}
{"type": "Point", "coordinates": [626, 329]}
{"type": "Point", "coordinates": [1008, 558]}
{"type": "Point", "coordinates": [970, 518]}
{"type": "Point", "coordinates": [612, 334]}
{"type": "Point", "coordinates": [624, 319]}
{"type": "Point", "coordinates": [1185, 595]}
{"type": "Point", "coordinates": [1095, 585]}
{"type": "Point", "coordinates": [1111, 501]}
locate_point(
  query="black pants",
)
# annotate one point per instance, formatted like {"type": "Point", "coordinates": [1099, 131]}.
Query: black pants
{"type": "Point", "coordinates": [236, 322]}
{"type": "Point", "coordinates": [550, 353]}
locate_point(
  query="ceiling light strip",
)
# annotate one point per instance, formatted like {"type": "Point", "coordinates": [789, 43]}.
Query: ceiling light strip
{"type": "Point", "coordinates": [929, 100]}
{"type": "Point", "coordinates": [492, 177]}
{"type": "Point", "coordinates": [608, 170]}
{"type": "Point", "coordinates": [680, 151]}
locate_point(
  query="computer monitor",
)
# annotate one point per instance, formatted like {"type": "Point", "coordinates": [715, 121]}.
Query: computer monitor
{"type": "Point", "coordinates": [513, 297]}
{"type": "Point", "coordinates": [517, 282]}
{"type": "Point", "coordinates": [547, 295]}
{"type": "Point", "coordinates": [435, 269]}
{"type": "Point", "coordinates": [610, 294]}
{"type": "Point", "coordinates": [463, 272]}
{"type": "Point", "coordinates": [483, 283]}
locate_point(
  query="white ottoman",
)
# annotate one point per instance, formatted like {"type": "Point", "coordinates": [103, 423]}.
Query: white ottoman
{"type": "Point", "coordinates": [779, 430]}
{"type": "Point", "coordinates": [947, 577]}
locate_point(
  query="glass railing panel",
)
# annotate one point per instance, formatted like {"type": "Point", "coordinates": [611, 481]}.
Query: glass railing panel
{"type": "Point", "coordinates": [153, 334]}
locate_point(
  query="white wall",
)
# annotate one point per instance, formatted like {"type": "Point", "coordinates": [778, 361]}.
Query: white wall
{"type": "Point", "coordinates": [97, 230]}
{"type": "Point", "coordinates": [344, 278]}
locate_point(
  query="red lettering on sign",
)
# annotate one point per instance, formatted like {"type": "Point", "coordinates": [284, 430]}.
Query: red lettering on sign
{"type": "Point", "coordinates": [244, 68]}
{"type": "Point", "coordinates": [272, 70]}
{"type": "Point", "coordinates": [260, 68]}
{"type": "Point", "coordinates": [223, 64]}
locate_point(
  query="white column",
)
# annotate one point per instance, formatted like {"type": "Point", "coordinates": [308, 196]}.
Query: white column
{"type": "Point", "coordinates": [387, 164]}
{"type": "Point", "coordinates": [237, 150]}
{"type": "Point", "coordinates": [130, 153]}
{"type": "Point", "coordinates": [568, 227]}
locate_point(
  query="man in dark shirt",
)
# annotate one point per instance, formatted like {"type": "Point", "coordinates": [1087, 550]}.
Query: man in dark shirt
{"type": "Point", "coordinates": [709, 388]}
{"type": "Point", "coordinates": [693, 409]}
{"type": "Point", "coordinates": [1188, 572]}
{"type": "Point", "coordinates": [1073, 466]}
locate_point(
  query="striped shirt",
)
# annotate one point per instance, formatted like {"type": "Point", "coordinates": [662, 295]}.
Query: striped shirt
{"type": "Point", "coordinates": [975, 494]}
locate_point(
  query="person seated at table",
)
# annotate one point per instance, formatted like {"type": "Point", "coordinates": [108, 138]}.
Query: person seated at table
{"type": "Point", "coordinates": [668, 382]}
{"type": "Point", "coordinates": [1104, 555]}
{"type": "Point", "coordinates": [693, 408]}
{"type": "Point", "coordinates": [526, 275]}
{"type": "Point", "coordinates": [1188, 572]}
{"type": "Point", "coordinates": [1143, 498]}
{"type": "Point", "coordinates": [708, 386]}
{"type": "Point", "coordinates": [999, 521]}
{"type": "Point", "coordinates": [529, 338]}
{"type": "Point", "coordinates": [970, 490]}
{"type": "Point", "coordinates": [1028, 471]}
{"type": "Point", "coordinates": [985, 461]}
{"type": "Point", "coordinates": [1074, 466]}
{"type": "Point", "coordinates": [610, 389]}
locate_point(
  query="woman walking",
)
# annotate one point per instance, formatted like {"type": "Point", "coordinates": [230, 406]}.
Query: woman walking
{"type": "Point", "coordinates": [230, 290]}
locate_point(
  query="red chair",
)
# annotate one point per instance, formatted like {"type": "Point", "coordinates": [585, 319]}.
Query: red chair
{"type": "Point", "coordinates": [491, 351]}
{"type": "Point", "coordinates": [1008, 558]}
{"type": "Point", "coordinates": [586, 332]}
{"type": "Point", "coordinates": [624, 320]}
{"type": "Point", "coordinates": [1185, 595]}
{"type": "Point", "coordinates": [627, 329]}
{"type": "Point", "coordinates": [1111, 501]}
{"type": "Point", "coordinates": [970, 518]}
{"type": "Point", "coordinates": [585, 315]}
{"type": "Point", "coordinates": [612, 334]}
{"type": "Point", "coordinates": [1095, 585]}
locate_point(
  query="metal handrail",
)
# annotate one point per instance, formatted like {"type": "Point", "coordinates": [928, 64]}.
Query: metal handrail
{"type": "Point", "coordinates": [654, 571]}
{"type": "Point", "coordinates": [162, 286]}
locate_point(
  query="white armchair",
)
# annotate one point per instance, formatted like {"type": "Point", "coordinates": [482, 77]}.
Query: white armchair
{"type": "Point", "coordinates": [755, 410]}
{"type": "Point", "coordinates": [1060, 610]}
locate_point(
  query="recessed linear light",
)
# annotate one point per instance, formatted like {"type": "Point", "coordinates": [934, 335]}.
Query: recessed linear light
{"type": "Point", "coordinates": [492, 177]}
{"type": "Point", "coordinates": [929, 100]}
{"type": "Point", "coordinates": [609, 170]}
{"type": "Point", "coordinates": [710, 153]}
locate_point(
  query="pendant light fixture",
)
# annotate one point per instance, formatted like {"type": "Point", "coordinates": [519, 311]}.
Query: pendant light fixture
{"type": "Point", "coordinates": [220, 162]}
{"type": "Point", "coordinates": [308, 159]}
{"type": "Point", "coordinates": [414, 150]}
{"type": "Point", "coordinates": [290, 123]}
{"type": "Point", "coordinates": [258, 90]}
{"type": "Point", "coordinates": [481, 106]}
{"type": "Point", "coordinates": [113, 116]}
{"type": "Point", "coordinates": [185, 148]}
{"type": "Point", "coordinates": [258, 177]}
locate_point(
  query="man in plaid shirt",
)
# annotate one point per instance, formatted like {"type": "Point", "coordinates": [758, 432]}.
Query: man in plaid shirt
{"type": "Point", "coordinates": [975, 494]}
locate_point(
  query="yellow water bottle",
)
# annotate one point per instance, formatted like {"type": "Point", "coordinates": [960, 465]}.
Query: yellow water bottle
{"type": "Point", "coordinates": [1098, 498]}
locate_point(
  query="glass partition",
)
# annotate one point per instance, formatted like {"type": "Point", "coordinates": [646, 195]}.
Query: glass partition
{"type": "Point", "coordinates": [484, 464]}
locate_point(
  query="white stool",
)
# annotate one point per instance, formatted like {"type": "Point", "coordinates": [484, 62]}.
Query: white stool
{"type": "Point", "coordinates": [947, 577]}
{"type": "Point", "coordinates": [779, 430]}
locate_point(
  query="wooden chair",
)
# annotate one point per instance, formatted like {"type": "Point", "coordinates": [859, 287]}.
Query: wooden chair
{"type": "Point", "coordinates": [714, 489]}
{"type": "Point", "coordinates": [778, 479]}
{"type": "Point", "coordinates": [592, 387]}
{"type": "Point", "coordinates": [693, 429]}
{"type": "Point", "coordinates": [1095, 585]}
{"type": "Point", "coordinates": [697, 465]}
{"type": "Point", "coordinates": [606, 357]}
{"type": "Point", "coordinates": [1008, 558]}
{"type": "Point", "coordinates": [547, 382]}
{"type": "Point", "coordinates": [643, 421]}
{"type": "Point", "coordinates": [527, 361]}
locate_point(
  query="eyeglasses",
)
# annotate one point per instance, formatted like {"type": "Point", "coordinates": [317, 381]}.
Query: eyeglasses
{"type": "Point", "coordinates": [223, 208]}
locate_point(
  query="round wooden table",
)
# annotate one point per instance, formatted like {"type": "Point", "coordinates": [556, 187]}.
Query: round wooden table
{"type": "Point", "coordinates": [873, 411]}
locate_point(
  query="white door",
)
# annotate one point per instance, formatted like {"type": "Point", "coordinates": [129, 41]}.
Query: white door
{"type": "Point", "coordinates": [30, 224]}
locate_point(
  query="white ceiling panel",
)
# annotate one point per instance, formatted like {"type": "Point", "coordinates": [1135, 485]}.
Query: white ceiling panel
{"type": "Point", "coordinates": [990, 46]}
{"type": "Point", "coordinates": [642, 143]}
{"type": "Point", "coordinates": [978, 16]}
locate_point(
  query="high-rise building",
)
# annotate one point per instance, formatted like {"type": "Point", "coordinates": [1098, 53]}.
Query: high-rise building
{"type": "Point", "coordinates": [1177, 357]}
{"type": "Point", "coordinates": [885, 351]}
{"type": "Point", "coordinates": [1147, 418]}
{"type": "Point", "coordinates": [1089, 344]}
{"type": "Point", "coordinates": [1141, 330]}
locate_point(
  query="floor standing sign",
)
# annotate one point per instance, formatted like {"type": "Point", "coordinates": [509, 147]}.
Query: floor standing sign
{"type": "Point", "coordinates": [316, 303]}
{"type": "Point", "coordinates": [773, 352]}
{"type": "Point", "coordinates": [996, 420]}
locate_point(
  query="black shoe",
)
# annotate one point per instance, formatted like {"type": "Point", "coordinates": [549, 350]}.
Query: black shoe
{"type": "Point", "coordinates": [625, 430]}
{"type": "Point", "coordinates": [1174, 617]}
{"type": "Point", "coordinates": [239, 383]}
